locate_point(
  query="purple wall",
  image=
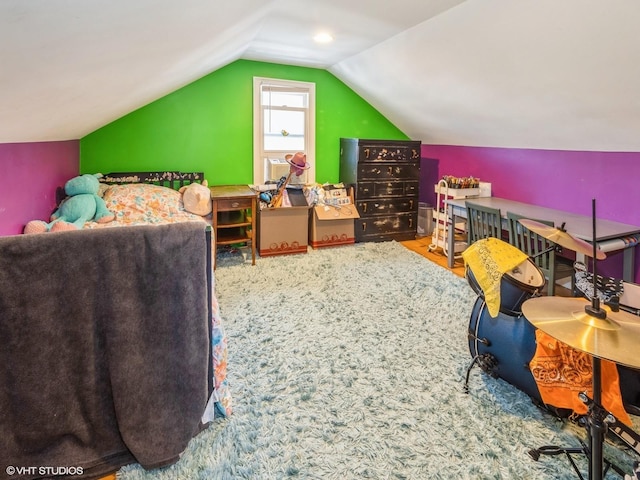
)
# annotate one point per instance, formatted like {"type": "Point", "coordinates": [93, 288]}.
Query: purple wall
{"type": "Point", "coordinates": [564, 180]}
{"type": "Point", "coordinates": [32, 172]}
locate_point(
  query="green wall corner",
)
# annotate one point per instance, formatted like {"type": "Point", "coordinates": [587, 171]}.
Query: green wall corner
{"type": "Point", "coordinates": [208, 126]}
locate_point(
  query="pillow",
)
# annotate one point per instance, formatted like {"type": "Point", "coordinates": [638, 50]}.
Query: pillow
{"type": "Point", "coordinates": [196, 198]}
{"type": "Point", "coordinates": [147, 203]}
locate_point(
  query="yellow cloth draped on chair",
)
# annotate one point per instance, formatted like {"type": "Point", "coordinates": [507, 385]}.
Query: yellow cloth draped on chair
{"type": "Point", "coordinates": [489, 259]}
{"type": "Point", "coordinates": [561, 372]}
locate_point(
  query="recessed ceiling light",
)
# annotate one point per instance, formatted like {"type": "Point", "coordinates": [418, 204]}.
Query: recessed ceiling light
{"type": "Point", "coordinates": [323, 37]}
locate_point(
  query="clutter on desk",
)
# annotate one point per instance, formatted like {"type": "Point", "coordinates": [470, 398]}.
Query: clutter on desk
{"type": "Point", "coordinates": [461, 182]}
{"type": "Point", "coordinates": [462, 187]}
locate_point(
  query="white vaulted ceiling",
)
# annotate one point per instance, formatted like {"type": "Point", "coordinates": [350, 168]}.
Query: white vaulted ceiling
{"type": "Point", "coordinates": [506, 73]}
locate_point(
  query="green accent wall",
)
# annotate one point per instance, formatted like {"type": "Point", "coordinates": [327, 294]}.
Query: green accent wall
{"type": "Point", "coordinates": [208, 126]}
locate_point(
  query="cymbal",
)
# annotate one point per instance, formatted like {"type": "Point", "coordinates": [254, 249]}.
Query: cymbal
{"type": "Point", "coordinates": [615, 338]}
{"type": "Point", "coordinates": [562, 238]}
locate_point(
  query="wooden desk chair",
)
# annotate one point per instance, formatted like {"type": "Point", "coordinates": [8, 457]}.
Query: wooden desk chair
{"type": "Point", "coordinates": [482, 222]}
{"type": "Point", "coordinates": [541, 251]}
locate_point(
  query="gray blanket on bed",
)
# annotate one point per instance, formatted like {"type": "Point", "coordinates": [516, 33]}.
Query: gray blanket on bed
{"type": "Point", "coordinates": [103, 347]}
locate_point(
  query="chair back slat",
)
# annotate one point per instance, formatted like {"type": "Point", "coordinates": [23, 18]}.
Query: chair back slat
{"type": "Point", "coordinates": [482, 222]}
{"type": "Point", "coordinates": [530, 242]}
{"type": "Point", "coordinates": [539, 249]}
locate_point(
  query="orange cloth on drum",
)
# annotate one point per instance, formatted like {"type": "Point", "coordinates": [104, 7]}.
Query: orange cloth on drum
{"type": "Point", "coordinates": [561, 372]}
{"type": "Point", "coordinates": [489, 259]}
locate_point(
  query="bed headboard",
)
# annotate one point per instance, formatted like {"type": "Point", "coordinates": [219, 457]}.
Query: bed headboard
{"type": "Point", "coordinates": [173, 180]}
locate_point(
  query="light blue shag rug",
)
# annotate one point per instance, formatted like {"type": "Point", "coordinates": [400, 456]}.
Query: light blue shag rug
{"type": "Point", "coordinates": [349, 363]}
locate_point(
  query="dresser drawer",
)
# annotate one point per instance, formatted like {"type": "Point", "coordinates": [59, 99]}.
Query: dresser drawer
{"type": "Point", "coordinates": [386, 153]}
{"type": "Point", "coordinates": [411, 189]}
{"type": "Point", "coordinates": [225, 204]}
{"type": "Point", "coordinates": [367, 190]}
{"type": "Point", "coordinates": [385, 227]}
{"type": "Point", "coordinates": [388, 171]}
{"type": "Point", "coordinates": [367, 208]}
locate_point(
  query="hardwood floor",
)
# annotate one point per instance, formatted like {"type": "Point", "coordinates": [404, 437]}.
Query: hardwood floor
{"type": "Point", "coordinates": [421, 246]}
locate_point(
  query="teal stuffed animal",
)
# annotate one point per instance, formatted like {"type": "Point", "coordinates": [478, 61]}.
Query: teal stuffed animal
{"type": "Point", "coordinates": [82, 205]}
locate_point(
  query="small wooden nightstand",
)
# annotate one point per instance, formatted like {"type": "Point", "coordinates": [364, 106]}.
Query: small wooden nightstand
{"type": "Point", "coordinates": [234, 217]}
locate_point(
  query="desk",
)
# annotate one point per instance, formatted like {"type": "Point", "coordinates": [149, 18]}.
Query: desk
{"type": "Point", "coordinates": [609, 234]}
{"type": "Point", "coordinates": [234, 217]}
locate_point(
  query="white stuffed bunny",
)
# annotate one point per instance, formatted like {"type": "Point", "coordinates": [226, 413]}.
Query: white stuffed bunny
{"type": "Point", "coordinates": [196, 198]}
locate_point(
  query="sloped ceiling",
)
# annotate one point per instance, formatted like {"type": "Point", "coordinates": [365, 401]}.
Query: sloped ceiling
{"type": "Point", "coordinates": [528, 74]}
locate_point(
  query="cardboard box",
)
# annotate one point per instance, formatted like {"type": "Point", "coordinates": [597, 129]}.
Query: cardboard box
{"type": "Point", "coordinates": [284, 230]}
{"type": "Point", "coordinates": [332, 225]}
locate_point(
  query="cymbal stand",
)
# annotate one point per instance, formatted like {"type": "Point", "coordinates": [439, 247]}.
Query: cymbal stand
{"type": "Point", "coordinates": [597, 417]}
{"type": "Point", "coordinates": [554, 246]}
{"type": "Point", "coordinates": [557, 248]}
{"type": "Point", "coordinates": [596, 424]}
{"type": "Point", "coordinates": [595, 421]}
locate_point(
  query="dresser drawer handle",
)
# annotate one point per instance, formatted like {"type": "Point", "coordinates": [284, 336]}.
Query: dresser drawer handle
{"type": "Point", "coordinates": [235, 204]}
{"type": "Point", "coordinates": [390, 170]}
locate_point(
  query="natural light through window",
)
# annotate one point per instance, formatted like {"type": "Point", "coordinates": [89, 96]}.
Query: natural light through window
{"type": "Point", "coordinates": [284, 123]}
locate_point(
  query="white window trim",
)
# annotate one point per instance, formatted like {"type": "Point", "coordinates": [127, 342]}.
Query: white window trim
{"type": "Point", "coordinates": [310, 133]}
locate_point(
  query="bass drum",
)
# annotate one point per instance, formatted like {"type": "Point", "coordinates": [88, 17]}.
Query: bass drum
{"type": "Point", "coordinates": [503, 347]}
{"type": "Point", "coordinates": [630, 388]}
{"type": "Point", "coordinates": [516, 286]}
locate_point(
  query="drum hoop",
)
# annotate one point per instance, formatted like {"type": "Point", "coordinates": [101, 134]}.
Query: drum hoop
{"type": "Point", "coordinates": [525, 286]}
{"type": "Point", "coordinates": [473, 283]}
{"type": "Point", "coordinates": [476, 327]}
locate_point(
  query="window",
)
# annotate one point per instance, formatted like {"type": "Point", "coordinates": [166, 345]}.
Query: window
{"type": "Point", "coordinates": [283, 123]}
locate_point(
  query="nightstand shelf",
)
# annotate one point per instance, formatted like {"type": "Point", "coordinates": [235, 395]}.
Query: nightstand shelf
{"type": "Point", "coordinates": [234, 208]}
{"type": "Point", "coordinates": [232, 235]}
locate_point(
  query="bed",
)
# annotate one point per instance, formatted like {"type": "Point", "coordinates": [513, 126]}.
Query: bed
{"type": "Point", "coordinates": [113, 351]}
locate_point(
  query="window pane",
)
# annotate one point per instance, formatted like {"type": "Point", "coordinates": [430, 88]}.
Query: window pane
{"type": "Point", "coordinates": [284, 130]}
{"type": "Point", "coordinates": [291, 143]}
{"type": "Point", "coordinates": [284, 99]}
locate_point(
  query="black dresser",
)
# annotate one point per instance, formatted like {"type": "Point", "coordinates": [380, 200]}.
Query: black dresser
{"type": "Point", "coordinates": [385, 175]}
